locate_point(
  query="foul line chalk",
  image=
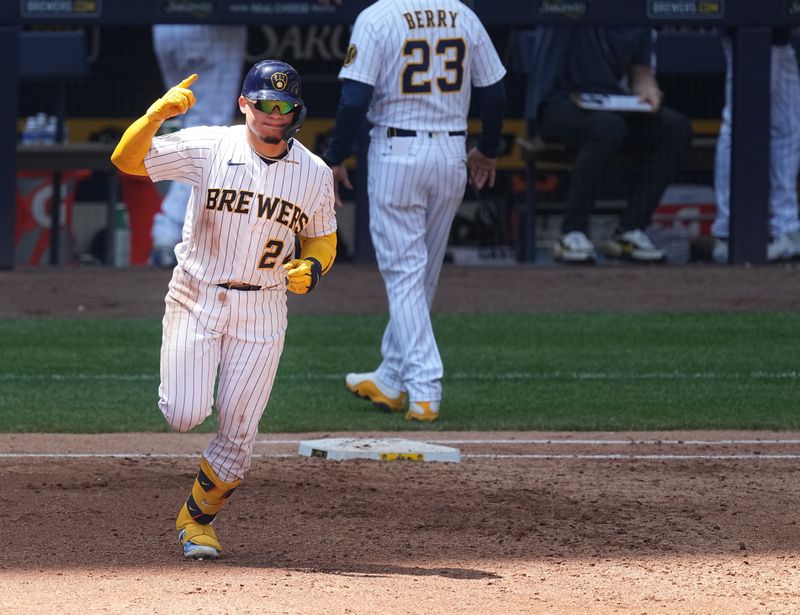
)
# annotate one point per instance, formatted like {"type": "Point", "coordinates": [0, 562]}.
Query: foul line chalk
{"type": "Point", "coordinates": [533, 456]}
{"type": "Point", "coordinates": [587, 442]}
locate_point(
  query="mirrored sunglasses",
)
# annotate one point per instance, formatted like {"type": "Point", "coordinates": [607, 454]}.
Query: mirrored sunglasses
{"type": "Point", "coordinates": [266, 106]}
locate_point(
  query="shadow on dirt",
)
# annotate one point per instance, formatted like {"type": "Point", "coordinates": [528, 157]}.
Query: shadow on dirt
{"type": "Point", "coordinates": [362, 518]}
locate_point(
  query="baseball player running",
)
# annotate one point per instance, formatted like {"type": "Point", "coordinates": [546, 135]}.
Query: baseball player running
{"type": "Point", "coordinates": [409, 68]}
{"type": "Point", "coordinates": [254, 189]}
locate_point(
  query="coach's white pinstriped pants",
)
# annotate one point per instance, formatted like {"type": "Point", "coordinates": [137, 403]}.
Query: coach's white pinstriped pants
{"type": "Point", "coordinates": [784, 145]}
{"type": "Point", "coordinates": [415, 187]}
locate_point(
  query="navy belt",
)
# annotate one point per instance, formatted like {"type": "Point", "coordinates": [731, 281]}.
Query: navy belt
{"type": "Point", "coordinates": [402, 132]}
{"type": "Point", "coordinates": [239, 286]}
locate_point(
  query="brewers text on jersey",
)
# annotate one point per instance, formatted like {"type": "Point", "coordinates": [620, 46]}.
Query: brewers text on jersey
{"type": "Point", "coordinates": [240, 202]}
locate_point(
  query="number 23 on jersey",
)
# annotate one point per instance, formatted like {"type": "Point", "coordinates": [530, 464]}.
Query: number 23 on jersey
{"type": "Point", "coordinates": [417, 77]}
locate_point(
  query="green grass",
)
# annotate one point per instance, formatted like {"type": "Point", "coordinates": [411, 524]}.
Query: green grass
{"type": "Point", "coordinates": [508, 372]}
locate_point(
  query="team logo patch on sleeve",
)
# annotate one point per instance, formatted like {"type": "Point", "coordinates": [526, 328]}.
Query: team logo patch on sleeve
{"type": "Point", "coordinates": [350, 55]}
{"type": "Point", "coordinates": [279, 80]}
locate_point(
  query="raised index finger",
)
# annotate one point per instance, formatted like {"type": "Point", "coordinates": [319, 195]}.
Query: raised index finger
{"type": "Point", "coordinates": [188, 81]}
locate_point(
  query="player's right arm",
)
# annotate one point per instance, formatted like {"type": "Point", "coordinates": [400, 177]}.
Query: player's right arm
{"type": "Point", "coordinates": [132, 148]}
{"type": "Point", "coordinates": [350, 114]}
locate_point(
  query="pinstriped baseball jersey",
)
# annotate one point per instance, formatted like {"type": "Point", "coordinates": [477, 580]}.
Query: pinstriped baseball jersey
{"type": "Point", "coordinates": [421, 56]}
{"type": "Point", "coordinates": [243, 213]}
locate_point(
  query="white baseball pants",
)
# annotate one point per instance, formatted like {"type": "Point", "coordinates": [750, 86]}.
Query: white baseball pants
{"type": "Point", "coordinates": [235, 337]}
{"type": "Point", "coordinates": [784, 145]}
{"type": "Point", "coordinates": [415, 187]}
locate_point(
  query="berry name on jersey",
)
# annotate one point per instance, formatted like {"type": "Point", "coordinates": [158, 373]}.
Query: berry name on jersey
{"type": "Point", "coordinates": [428, 18]}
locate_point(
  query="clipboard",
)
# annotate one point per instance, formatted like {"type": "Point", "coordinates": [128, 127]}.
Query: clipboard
{"type": "Point", "coordinates": [611, 102]}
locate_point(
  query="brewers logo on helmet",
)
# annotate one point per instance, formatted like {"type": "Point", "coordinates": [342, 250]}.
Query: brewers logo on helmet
{"type": "Point", "coordinates": [279, 81]}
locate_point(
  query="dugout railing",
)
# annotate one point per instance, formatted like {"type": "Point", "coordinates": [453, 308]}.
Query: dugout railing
{"type": "Point", "coordinates": [749, 23]}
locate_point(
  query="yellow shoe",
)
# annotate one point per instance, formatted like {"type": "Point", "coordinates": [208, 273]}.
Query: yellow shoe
{"type": "Point", "coordinates": [198, 541]}
{"type": "Point", "coordinates": [381, 395]}
{"type": "Point", "coordinates": [423, 411]}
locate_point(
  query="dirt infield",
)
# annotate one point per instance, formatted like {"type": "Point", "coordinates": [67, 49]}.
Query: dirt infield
{"type": "Point", "coordinates": [86, 293]}
{"type": "Point", "coordinates": [526, 523]}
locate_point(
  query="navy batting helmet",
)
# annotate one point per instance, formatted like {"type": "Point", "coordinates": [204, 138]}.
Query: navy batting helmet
{"type": "Point", "coordinates": [276, 80]}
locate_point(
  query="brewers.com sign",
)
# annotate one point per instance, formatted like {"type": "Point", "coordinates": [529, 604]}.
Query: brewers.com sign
{"type": "Point", "coordinates": [685, 9]}
{"type": "Point", "coordinates": [60, 8]}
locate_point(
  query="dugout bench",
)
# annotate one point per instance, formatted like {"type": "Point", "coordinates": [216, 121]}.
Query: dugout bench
{"type": "Point", "coordinates": [60, 157]}
{"type": "Point", "coordinates": [539, 156]}
{"type": "Point", "coordinates": [686, 54]}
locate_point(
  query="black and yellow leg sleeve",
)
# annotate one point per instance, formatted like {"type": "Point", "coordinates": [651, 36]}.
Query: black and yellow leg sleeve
{"type": "Point", "coordinates": [209, 494]}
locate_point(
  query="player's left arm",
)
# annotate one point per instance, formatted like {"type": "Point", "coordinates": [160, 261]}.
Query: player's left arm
{"type": "Point", "coordinates": [353, 105]}
{"type": "Point", "coordinates": [317, 244]}
{"type": "Point", "coordinates": [316, 259]}
{"type": "Point", "coordinates": [644, 85]}
{"type": "Point", "coordinates": [482, 159]}
{"type": "Point", "coordinates": [487, 79]}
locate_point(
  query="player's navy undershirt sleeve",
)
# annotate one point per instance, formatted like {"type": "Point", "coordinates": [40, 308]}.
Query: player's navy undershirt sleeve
{"type": "Point", "coordinates": [492, 103]}
{"type": "Point", "coordinates": [353, 106]}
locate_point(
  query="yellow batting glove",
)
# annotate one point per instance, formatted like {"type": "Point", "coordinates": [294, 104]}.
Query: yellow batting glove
{"type": "Point", "coordinates": [177, 101]}
{"type": "Point", "coordinates": [302, 275]}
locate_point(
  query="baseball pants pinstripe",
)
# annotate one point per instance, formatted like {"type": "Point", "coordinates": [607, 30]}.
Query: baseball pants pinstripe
{"type": "Point", "coordinates": [235, 337]}
{"type": "Point", "coordinates": [784, 145]}
{"type": "Point", "coordinates": [415, 187]}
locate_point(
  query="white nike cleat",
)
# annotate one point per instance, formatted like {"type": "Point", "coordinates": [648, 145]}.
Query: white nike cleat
{"type": "Point", "coordinates": [370, 387]}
